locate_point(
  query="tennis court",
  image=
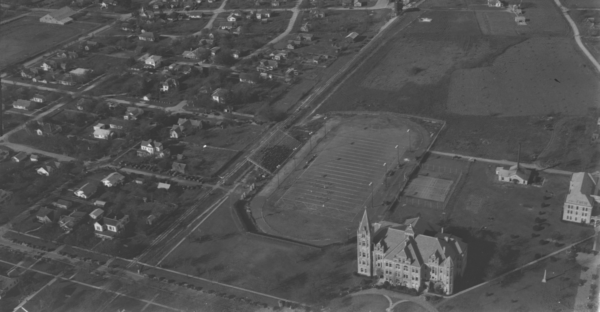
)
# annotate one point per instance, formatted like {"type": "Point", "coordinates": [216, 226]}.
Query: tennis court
{"type": "Point", "coordinates": [339, 181]}
{"type": "Point", "coordinates": [428, 188]}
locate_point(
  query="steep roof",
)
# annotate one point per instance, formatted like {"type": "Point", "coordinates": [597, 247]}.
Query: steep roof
{"type": "Point", "coordinates": [62, 14]}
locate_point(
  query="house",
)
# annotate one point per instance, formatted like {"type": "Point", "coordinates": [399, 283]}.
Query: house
{"type": "Point", "coordinates": [103, 134]}
{"type": "Point", "coordinates": [23, 104]}
{"type": "Point", "coordinates": [30, 72]}
{"type": "Point", "coordinates": [178, 167]}
{"type": "Point", "coordinates": [139, 181]}
{"type": "Point", "coordinates": [60, 16]}
{"type": "Point", "coordinates": [48, 168]}
{"type": "Point", "coordinates": [275, 3]}
{"type": "Point", "coordinates": [269, 64]}
{"type": "Point", "coordinates": [68, 222]}
{"type": "Point", "coordinates": [494, 3]}
{"type": "Point", "coordinates": [150, 219]}
{"type": "Point", "coordinates": [100, 203]}
{"type": "Point", "coordinates": [220, 95]}
{"type": "Point", "coordinates": [80, 71]}
{"type": "Point", "coordinates": [226, 25]}
{"type": "Point", "coordinates": [153, 61]}
{"type": "Point", "coordinates": [151, 148]}
{"type": "Point", "coordinates": [85, 104]}
{"type": "Point", "coordinates": [133, 113]}
{"type": "Point", "coordinates": [19, 157]}
{"type": "Point", "coordinates": [176, 132]}
{"type": "Point", "coordinates": [45, 215]}
{"type": "Point", "coordinates": [521, 20]}
{"type": "Point", "coordinates": [87, 190]}
{"type": "Point", "coordinates": [90, 46]}
{"type": "Point", "coordinates": [583, 199]}
{"type": "Point", "coordinates": [113, 179]}
{"type": "Point", "coordinates": [232, 18]}
{"type": "Point", "coordinates": [48, 129]}
{"type": "Point", "coordinates": [515, 174]}
{"type": "Point", "coordinates": [66, 80]}
{"type": "Point", "coordinates": [6, 284]}
{"type": "Point", "coordinates": [304, 37]}
{"type": "Point", "coordinates": [306, 27]}
{"type": "Point", "coordinates": [352, 36]}
{"type": "Point", "coordinates": [402, 255]}
{"type": "Point", "coordinates": [169, 84]}
{"type": "Point", "coordinates": [195, 15]}
{"type": "Point", "coordinates": [63, 204]}
{"type": "Point", "coordinates": [358, 3]}
{"type": "Point", "coordinates": [250, 78]}
{"type": "Point", "coordinates": [163, 186]}
{"type": "Point", "coordinates": [109, 227]}
{"type": "Point", "coordinates": [49, 65]}
{"type": "Point", "coordinates": [317, 13]}
{"type": "Point", "coordinates": [147, 36]}
{"type": "Point", "coordinates": [34, 158]}
{"type": "Point", "coordinates": [215, 50]}
{"type": "Point", "coordinates": [38, 98]}
{"type": "Point", "coordinates": [96, 214]}
{"type": "Point", "coordinates": [290, 46]}
{"type": "Point", "coordinates": [198, 53]}
{"type": "Point", "coordinates": [236, 54]}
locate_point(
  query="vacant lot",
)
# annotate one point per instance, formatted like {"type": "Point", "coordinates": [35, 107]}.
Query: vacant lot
{"type": "Point", "coordinates": [448, 48]}
{"type": "Point", "coordinates": [26, 37]}
{"type": "Point", "coordinates": [219, 251]}
{"type": "Point", "coordinates": [520, 82]}
{"type": "Point", "coordinates": [580, 4]}
{"type": "Point", "coordinates": [234, 138]}
{"type": "Point", "coordinates": [277, 24]}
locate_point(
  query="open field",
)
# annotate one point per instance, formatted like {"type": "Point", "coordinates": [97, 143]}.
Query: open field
{"type": "Point", "coordinates": [26, 37]}
{"type": "Point", "coordinates": [276, 24]}
{"type": "Point", "coordinates": [245, 4]}
{"type": "Point", "coordinates": [322, 199]}
{"type": "Point", "coordinates": [524, 291]}
{"type": "Point", "coordinates": [220, 251]}
{"type": "Point", "coordinates": [184, 28]}
{"type": "Point", "coordinates": [580, 4]}
{"type": "Point", "coordinates": [519, 82]}
{"type": "Point", "coordinates": [235, 138]}
{"type": "Point", "coordinates": [505, 225]}
{"type": "Point", "coordinates": [423, 70]}
{"type": "Point", "coordinates": [373, 303]}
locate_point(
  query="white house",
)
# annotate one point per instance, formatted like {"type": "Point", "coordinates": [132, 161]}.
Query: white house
{"type": "Point", "coordinates": [113, 179]}
{"type": "Point", "coordinates": [103, 134]}
{"type": "Point", "coordinates": [87, 190]}
{"type": "Point", "coordinates": [581, 204]}
{"type": "Point", "coordinates": [220, 95]}
{"type": "Point", "coordinates": [153, 61]}
{"type": "Point", "coordinates": [48, 168]}
{"type": "Point", "coordinates": [109, 227]}
{"type": "Point", "coordinates": [514, 174]}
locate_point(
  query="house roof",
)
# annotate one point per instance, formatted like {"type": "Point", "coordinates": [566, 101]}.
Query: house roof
{"type": "Point", "coordinates": [165, 186]}
{"type": "Point", "coordinates": [89, 188]}
{"type": "Point", "coordinates": [20, 155]}
{"type": "Point", "coordinates": [96, 213]}
{"type": "Point", "coordinates": [102, 132]}
{"type": "Point", "coordinates": [135, 111]}
{"type": "Point", "coordinates": [62, 14]}
{"type": "Point", "coordinates": [22, 103]}
{"type": "Point", "coordinates": [581, 187]}
{"type": "Point", "coordinates": [513, 171]}
{"type": "Point", "coordinates": [113, 178]}
{"type": "Point", "coordinates": [39, 96]}
{"type": "Point", "coordinates": [178, 166]}
{"type": "Point", "coordinates": [44, 211]}
{"type": "Point", "coordinates": [154, 58]}
{"type": "Point", "coordinates": [220, 92]}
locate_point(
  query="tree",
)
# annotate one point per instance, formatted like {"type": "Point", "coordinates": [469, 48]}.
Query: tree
{"type": "Point", "coordinates": [224, 58]}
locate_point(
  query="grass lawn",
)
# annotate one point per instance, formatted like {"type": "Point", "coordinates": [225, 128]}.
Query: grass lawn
{"type": "Point", "coordinates": [234, 138]}
{"type": "Point", "coordinates": [185, 27]}
{"type": "Point", "coordinates": [218, 251]}
{"type": "Point", "coordinates": [373, 303]}
{"type": "Point", "coordinates": [524, 291]}
{"type": "Point", "coordinates": [505, 225]}
{"type": "Point", "coordinates": [26, 37]}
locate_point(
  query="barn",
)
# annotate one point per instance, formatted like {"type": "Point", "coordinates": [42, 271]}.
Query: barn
{"type": "Point", "coordinates": [60, 17]}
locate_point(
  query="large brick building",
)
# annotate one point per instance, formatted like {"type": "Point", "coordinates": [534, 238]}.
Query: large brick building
{"type": "Point", "coordinates": [402, 255]}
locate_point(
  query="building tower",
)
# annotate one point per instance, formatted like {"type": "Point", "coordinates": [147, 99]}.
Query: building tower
{"type": "Point", "coordinates": [364, 246]}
